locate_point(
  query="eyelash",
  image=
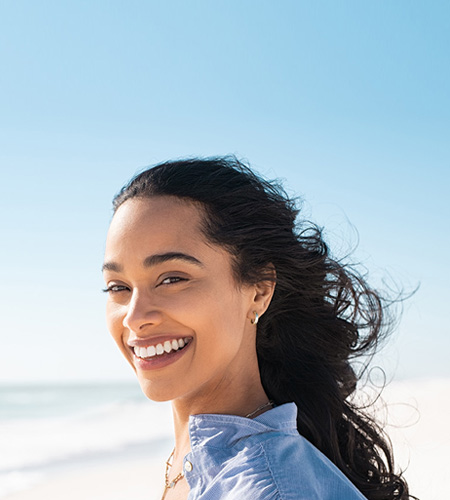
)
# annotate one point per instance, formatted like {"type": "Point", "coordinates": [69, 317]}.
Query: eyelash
{"type": "Point", "coordinates": [122, 288]}
{"type": "Point", "coordinates": [114, 289]}
{"type": "Point", "coordinates": [173, 279]}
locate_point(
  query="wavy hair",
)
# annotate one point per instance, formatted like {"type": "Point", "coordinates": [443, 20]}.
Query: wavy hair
{"type": "Point", "coordinates": [322, 317]}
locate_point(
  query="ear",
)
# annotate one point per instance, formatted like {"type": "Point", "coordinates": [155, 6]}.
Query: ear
{"type": "Point", "coordinates": [263, 292]}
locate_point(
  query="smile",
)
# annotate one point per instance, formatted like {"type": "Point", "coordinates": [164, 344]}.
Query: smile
{"type": "Point", "coordinates": [160, 349]}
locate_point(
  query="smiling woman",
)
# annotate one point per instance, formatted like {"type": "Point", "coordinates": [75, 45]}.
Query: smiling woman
{"type": "Point", "coordinates": [227, 307]}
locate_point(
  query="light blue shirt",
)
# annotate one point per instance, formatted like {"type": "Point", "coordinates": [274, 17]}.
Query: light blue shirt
{"type": "Point", "coordinates": [236, 458]}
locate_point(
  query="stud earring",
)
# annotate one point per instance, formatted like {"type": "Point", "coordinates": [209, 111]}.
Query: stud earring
{"type": "Point", "coordinates": [255, 321]}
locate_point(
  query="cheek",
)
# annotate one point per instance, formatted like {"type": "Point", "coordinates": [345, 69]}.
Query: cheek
{"type": "Point", "coordinates": [223, 326]}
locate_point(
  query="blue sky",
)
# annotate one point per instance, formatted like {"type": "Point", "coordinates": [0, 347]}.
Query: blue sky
{"type": "Point", "coordinates": [347, 101]}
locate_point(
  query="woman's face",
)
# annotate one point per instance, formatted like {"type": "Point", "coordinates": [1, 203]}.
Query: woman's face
{"type": "Point", "coordinates": [174, 308]}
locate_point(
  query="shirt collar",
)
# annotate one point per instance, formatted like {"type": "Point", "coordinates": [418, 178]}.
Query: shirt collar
{"type": "Point", "coordinates": [223, 431]}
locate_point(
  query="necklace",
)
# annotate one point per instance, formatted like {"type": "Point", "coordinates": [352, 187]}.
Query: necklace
{"type": "Point", "coordinates": [171, 484]}
{"type": "Point", "coordinates": [265, 405]}
{"type": "Point", "coordinates": [174, 481]}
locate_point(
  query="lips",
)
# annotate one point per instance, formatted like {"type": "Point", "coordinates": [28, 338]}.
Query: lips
{"type": "Point", "coordinates": [160, 349]}
{"type": "Point", "coordinates": [158, 352]}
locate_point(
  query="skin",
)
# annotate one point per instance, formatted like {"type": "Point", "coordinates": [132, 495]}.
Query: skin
{"type": "Point", "coordinates": [218, 372]}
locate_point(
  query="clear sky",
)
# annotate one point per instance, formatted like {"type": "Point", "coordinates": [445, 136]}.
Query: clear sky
{"type": "Point", "coordinates": [347, 101]}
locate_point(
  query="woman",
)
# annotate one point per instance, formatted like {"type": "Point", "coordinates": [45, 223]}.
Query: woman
{"type": "Point", "coordinates": [227, 308]}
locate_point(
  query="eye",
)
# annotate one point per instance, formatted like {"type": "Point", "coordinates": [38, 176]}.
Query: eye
{"type": "Point", "coordinates": [115, 289]}
{"type": "Point", "coordinates": [170, 280]}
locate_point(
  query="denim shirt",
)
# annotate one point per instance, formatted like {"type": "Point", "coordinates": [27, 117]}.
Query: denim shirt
{"type": "Point", "coordinates": [236, 458]}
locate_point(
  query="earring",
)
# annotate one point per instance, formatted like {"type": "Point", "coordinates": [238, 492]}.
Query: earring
{"type": "Point", "coordinates": [255, 321]}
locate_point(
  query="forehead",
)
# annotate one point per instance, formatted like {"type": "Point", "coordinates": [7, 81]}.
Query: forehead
{"type": "Point", "coordinates": [157, 223]}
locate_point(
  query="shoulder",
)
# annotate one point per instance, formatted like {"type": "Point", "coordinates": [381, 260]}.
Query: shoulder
{"type": "Point", "coordinates": [265, 458]}
{"type": "Point", "coordinates": [282, 468]}
{"type": "Point", "coordinates": [301, 471]}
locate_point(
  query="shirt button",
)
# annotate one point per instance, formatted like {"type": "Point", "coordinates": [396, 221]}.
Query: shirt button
{"type": "Point", "coordinates": [187, 466]}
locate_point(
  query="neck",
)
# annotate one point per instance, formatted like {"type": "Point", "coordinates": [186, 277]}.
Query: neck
{"type": "Point", "coordinates": [227, 398]}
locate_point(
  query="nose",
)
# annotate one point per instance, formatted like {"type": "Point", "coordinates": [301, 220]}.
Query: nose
{"type": "Point", "coordinates": [141, 312]}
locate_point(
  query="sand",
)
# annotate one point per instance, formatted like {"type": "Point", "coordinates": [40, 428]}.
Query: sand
{"type": "Point", "coordinates": [137, 480]}
{"type": "Point", "coordinates": [418, 416]}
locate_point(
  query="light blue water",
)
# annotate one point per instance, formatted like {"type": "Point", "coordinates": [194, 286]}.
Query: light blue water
{"type": "Point", "coordinates": [53, 400]}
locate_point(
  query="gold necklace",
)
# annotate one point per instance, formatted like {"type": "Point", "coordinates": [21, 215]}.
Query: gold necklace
{"type": "Point", "coordinates": [180, 475]}
{"type": "Point", "coordinates": [174, 481]}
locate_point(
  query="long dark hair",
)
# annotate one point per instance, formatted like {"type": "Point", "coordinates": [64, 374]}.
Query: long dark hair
{"type": "Point", "coordinates": [322, 316]}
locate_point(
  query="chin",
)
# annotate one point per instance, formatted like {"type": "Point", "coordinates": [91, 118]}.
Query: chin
{"type": "Point", "coordinates": [155, 393]}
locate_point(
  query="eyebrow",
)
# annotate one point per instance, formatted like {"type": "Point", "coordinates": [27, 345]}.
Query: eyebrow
{"type": "Point", "coordinates": [153, 260]}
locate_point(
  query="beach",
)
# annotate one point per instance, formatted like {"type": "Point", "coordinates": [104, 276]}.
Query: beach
{"type": "Point", "coordinates": [139, 479]}
{"type": "Point", "coordinates": [418, 413]}
{"type": "Point", "coordinates": [117, 450]}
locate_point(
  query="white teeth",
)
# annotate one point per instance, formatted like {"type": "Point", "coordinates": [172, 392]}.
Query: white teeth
{"type": "Point", "coordinates": [159, 349]}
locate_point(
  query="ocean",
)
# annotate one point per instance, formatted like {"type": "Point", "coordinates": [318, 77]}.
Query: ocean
{"type": "Point", "coordinates": [47, 429]}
